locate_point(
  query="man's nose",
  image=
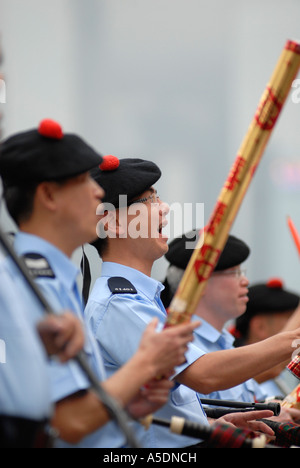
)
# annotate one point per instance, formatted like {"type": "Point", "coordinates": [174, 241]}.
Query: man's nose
{"type": "Point", "coordinates": [100, 193]}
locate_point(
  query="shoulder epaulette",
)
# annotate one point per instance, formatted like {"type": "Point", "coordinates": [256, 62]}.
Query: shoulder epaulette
{"type": "Point", "coordinates": [38, 266]}
{"type": "Point", "coordinates": [119, 285]}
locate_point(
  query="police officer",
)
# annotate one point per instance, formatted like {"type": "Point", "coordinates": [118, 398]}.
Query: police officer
{"type": "Point", "coordinates": [226, 299]}
{"type": "Point", "coordinates": [131, 238]}
{"type": "Point", "coordinates": [25, 403]}
{"type": "Point", "coordinates": [271, 308]}
{"type": "Point", "coordinates": [53, 200]}
{"type": "Point", "coordinates": [27, 337]}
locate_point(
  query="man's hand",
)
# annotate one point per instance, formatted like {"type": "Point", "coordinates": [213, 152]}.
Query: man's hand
{"type": "Point", "coordinates": [287, 415]}
{"type": "Point", "coordinates": [166, 349]}
{"type": "Point", "coordinates": [62, 335]}
{"type": "Point", "coordinates": [248, 420]}
{"type": "Point", "coordinates": [150, 398]}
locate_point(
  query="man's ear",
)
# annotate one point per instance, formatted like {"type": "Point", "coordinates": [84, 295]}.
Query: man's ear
{"type": "Point", "coordinates": [112, 225]}
{"type": "Point", "coordinates": [259, 327]}
{"type": "Point", "coordinates": [45, 195]}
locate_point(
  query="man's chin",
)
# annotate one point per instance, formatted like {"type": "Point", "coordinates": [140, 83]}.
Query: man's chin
{"type": "Point", "coordinates": [161, 247]}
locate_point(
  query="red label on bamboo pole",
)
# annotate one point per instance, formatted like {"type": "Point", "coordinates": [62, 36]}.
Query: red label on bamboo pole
{"type": "Point", "coordinates": [268, 111]}
{"type": "Point", "coordinates": [294, 366]}
{"type": "Point", "coordinates": [216, 218]}
{"type": "Point", "coordinates": [293, 47]}
{"type": "Point", "coordinates": [233, 179]}
{"type": "Point", "coordinates": [206, 251]}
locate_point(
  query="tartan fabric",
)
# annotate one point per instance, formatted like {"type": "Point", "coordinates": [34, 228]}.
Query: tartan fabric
{"type": "Point", "coordinates": [294, 366]}
{"type": "Point", "coordinates": [287, 434]}
{"type": "Point", "coordinates": [224, 436]}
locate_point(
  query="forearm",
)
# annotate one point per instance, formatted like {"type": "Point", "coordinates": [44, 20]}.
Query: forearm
{"type": "Point", "coordinates": [83, 413]}
{"type": "Point", "coordinates": [294, 321]}
{"type": "Point", "coordinates": [271, 373]}
{"type": "Point", "coordinates": [79, 415]}
{"type": "Point", "coordinates": [226, 369]}
{"type": "Point", "coordinates": [292, 324]}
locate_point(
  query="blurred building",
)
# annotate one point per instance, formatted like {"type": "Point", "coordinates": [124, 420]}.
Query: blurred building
{"type": "Point", "coordinates": [174, 81]}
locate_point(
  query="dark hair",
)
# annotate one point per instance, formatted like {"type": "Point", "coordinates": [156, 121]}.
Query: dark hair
{"type": "Point", "coordinates": [20, 198]}
{"type": "Point", "coordinates": [19, 201]}
{"type": "Point", "coordinates": [241, 331]}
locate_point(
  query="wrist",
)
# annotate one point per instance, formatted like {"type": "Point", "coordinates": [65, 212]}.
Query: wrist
{"type": "Point", "coordinates": [144, 365]}
{"type": "Point", "coordinates": [293, 335]}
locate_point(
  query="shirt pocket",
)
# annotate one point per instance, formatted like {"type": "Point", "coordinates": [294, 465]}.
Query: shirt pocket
{"type": "Point", "coordinates": [183, 395]}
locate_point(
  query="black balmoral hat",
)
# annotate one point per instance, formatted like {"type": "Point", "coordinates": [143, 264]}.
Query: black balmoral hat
{"type": "Point", "coordinates": [270, 297]}
{"type": "Point", "coordinates": [45, 154]}
{"type": "Point", "coordinates": [181, 249]}
{"type": "Point", "coordinates": [264, 298]}
{"type": "Point", "coordinates": [128, 177]}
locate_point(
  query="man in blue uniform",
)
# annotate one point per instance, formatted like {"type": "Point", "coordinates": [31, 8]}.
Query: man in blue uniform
{"type": "Point", "coordinates": [226, 298]}
{"type": "Point", "coordinates": [130, 240]}
{"type": "Point", "coordinates": [28, 337]}
{"type": "Point", "coordinates": [271, 308]}
{"type": "Point", "coordinates": [52, 198]}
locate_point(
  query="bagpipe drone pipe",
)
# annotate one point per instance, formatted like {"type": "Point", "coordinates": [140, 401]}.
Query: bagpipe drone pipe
{"type": "Point", "coordinates": [229, 406]}
{"type": "Point", "coordinates": [287, 434]}
{"type": "Point", "coordinates": [215, 436]}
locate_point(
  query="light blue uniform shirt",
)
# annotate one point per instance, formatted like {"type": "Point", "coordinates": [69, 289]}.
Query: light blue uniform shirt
{"type": "Point", "coordinates": [210, 339]}
{"type": "Point", "coordinates": [62, 293]}
{"type": "Point", "coordinates": [118, 322]}
{"type": "Point", "coordinates": [273, 389]}
{"type": "Point", "coordinates": [282, 385]}
{"type": "Point", "coordinates": [25, 383]}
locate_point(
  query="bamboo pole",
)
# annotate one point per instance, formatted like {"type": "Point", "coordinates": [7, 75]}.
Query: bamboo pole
{"type": "Point", "coordinates": [212, 241]}
{"type": "Point", "coordinates": [293, 399]}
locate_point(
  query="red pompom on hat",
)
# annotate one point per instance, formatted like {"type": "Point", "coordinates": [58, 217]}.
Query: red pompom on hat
{"type": "Point", "coordinates": [275, 283]}
{"type": "Point", "coordinates": [50, 129]}
{"type": "Point", "coordinates": [234, 332]}
{"type": "Point", "coordinates": [45, 153]}
{"type": "Point", "coordinates": [110, 163]}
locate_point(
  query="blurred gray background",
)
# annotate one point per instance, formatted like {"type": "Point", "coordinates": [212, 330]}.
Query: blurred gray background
{"type": "Point", "coordinates": [174, 81]}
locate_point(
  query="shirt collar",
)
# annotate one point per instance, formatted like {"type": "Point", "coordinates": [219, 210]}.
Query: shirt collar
{"type": "Point", "coordinates": [148, 286]}
{"type": "Point", "coordinates": [63, 268]}
{"type": "Point", "coordinates": [210, 333]}
{"type": "Point", "coordinates": [206, 330]}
